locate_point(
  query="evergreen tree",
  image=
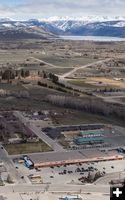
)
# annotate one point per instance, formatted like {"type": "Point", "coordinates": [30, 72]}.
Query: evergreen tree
{"type": "Point", "coordinates": [22, 73]}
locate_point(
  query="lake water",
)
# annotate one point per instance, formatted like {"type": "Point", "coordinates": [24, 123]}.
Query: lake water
{"type": "Point", "coordinates": [93, 38]}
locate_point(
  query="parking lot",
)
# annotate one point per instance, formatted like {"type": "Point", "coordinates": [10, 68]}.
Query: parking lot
{"type": "Point", "coordinates": [71, 174]}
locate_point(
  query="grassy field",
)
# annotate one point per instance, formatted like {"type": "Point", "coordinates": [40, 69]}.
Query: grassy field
{"type": "Point", "coordinates": [98, 83]}
{"type": "Point", "coordinates": [14, 149]}
{"type": "Point", "coordinates": [81, 83]}
{"type": "Point", "coordinates": [11, 87]}
{"type": "Point", "coordinates": [108, 81]}
{"type": "Point", "coordinates": [58, 70]}
{"type": "Point", "coordinates": [35, 102]}
{"type": "Point", "coordinates": [13, 56]}
{"type": "Point", "coordinates": [74, 117]}
{"type": "Point", "coordinates": [66, 62]}
{"type": "Point", "coordinates": [12, 103]}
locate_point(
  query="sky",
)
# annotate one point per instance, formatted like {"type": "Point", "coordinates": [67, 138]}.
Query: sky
{"type": "Point", "coordinates": [38, 9]}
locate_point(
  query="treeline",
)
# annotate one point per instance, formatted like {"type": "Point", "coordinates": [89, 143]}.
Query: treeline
{"type": "Point", "coordinates": [10, 74]}
{"type": "Point", "coordinates": [88, 104]}
{"type": "Point", "coordinates": [53, 87]}
{"type": "Point", "coordinates": [54, 78]}
{"type": "Point", "coordinates": [60, 86]}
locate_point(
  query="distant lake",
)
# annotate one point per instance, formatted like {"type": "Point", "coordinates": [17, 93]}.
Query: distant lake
{"type": "Point", "coordinates": [93, 38]}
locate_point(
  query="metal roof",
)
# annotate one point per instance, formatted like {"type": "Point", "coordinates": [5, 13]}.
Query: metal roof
{"type": "Point", "coordinates": [92, 132]}
{"type": "Point", "coordinates": [89, 139]}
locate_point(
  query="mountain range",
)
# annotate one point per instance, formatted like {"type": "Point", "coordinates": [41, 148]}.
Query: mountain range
{"type": "Point", "coordinates": [49, 28]}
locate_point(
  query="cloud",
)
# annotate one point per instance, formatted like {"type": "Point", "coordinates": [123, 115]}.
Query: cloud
{"type": "Point", "coordinates": [6, 11]}
{"type": "Point", "coordinates": [47, 8]}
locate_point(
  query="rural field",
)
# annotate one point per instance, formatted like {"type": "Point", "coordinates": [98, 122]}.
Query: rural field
{"type": "Point", "coordinates": [98, 82]}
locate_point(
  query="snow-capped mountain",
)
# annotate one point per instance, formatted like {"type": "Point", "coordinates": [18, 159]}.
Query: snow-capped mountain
{"type": "Point", "coordinates": [84, 25]}
{"type": "Point", "coordinates": [88, 25]}
{"type": "Point", "coordinates": [13, 29]}
{"type": "Point", "coordinates": [7, 19]}
{"type": "Point", "coordinates": [84, 18]}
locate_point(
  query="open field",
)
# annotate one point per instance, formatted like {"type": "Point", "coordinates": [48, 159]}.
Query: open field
{"type": "Point", "coordinates": [58, 70]}
{"type": "Point", "coordinates": [14, 56]}
{"type": "Point", "coordinates": [74, 117]}
{"type": "Point", "coordinates": [32, 147]}
{"type": "Point", "coordinates": [66, 62]}
{"type": "Point", "coordinates": [61, 56]}
{"type": "Point", "coordinates": [106, 82]}
{"type": "Point", "coordinates": [98, 83]}
{"type": "Point", "coordinates": [66, 117]}
{"type": "Point", "coordinates": [12, 103]}
{"type": "Point", "coordinates": [11, 87]}
{"type": "Point", "coordinates": [36, 93]}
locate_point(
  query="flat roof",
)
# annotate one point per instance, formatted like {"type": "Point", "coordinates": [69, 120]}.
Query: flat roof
{"type": "Point", "coordinates": [71, 197]}
{"type": "Point", "coordinates": [93, 132]}
{"type": "Point", "coordinates": [71, 155]}
{"type": "Point", "coordinates": [88, 139]}
{"type": "Point", "coordinates": [88, 153]}
{"type": "Point", "coordinates": [55, 156]}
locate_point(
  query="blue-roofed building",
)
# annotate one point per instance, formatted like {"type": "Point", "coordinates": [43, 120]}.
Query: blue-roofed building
{"type": "Point", "coordinates": [71, 197]}
{"type": "Point", "coordinates": [28, 162]}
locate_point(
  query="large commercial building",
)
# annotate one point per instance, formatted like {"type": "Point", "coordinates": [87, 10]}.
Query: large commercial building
{"type": "Point", "coordinates": [71, 157]}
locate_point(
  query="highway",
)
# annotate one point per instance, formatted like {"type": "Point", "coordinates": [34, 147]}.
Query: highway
{"type": "Point", "coordinates": [53, 144]}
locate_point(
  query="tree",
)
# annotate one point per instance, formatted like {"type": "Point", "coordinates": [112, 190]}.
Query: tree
{"type": "Point", "coordinates": [8, 74]}
{"type": "Point", "coordinates": [44, 74]}
{"type": "Point", "coordinates": [27, 73]}
{"type": "Point", "coordinates": [97, 175]}
{"type": "Point", "coordinates": [90, 177]}
{"type": "Point", "coordinates": [22, 73]}
{"type": "Point", "coordinates": [53, 77]}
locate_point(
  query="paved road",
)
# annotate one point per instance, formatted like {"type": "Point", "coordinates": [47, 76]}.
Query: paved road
{"type": "Point", "coordinates": [119, 129]}
{"type": "Point", "coordinates": [49, 64]}
{"type": "Point", "coordinates": [83, 67]}
{"type": "Point", "coordinates": [103, 189]}
{"type": "Point", "coordinates": [112, 99]}
{"type": "Point", "coordinates": [16, 176]}
{"type": "Point", "coordinates": [52, 143]}
{"type": "Point", "coordinates": [63, 80]}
